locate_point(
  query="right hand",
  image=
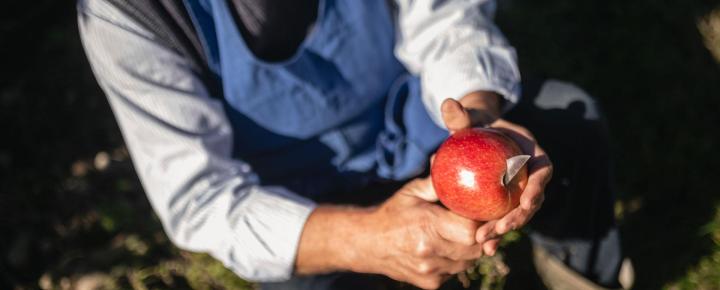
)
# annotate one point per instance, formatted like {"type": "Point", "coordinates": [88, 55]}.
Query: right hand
{"type": "Point", "coordinates": [478, 109]}
{"type": "Point", "coordinates": [410, 238]}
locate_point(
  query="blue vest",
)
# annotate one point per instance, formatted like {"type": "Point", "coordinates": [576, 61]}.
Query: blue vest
{"type": "Point", "coordinates": [340, 113]}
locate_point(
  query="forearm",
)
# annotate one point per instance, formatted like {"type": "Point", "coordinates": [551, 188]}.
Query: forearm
{"type": "Point", "coordinates": [457, 50]}
{"type": "Point", "coordinates": [181, 144]}
{"type": "Point", "coordinates": [329, 240]}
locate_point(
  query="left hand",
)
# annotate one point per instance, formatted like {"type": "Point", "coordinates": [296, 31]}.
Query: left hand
{"type": "Point", "coordinates": [480, 109]}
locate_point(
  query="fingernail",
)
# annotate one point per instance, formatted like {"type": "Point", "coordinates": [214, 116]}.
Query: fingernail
{"type": "Point", "coordinates": [491, 251]}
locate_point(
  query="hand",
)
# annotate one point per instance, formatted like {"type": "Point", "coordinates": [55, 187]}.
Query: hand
{"type": "Point", "coordinates": [412, 239]}
{"type": "Point", "coordinates": [482, 109]}
{"type": "Point", "coordinates": [408, 238]}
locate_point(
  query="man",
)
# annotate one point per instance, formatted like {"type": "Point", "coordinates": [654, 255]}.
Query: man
{"type": "Point", "coordinates": [276, 144]}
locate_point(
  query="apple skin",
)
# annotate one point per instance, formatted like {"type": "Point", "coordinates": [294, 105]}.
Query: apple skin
{"type": "Point", "coordinates": [467, 174]}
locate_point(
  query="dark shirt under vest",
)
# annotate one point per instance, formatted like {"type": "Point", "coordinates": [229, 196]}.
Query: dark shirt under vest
{"type": "Point", "coordinates": [274, 29]}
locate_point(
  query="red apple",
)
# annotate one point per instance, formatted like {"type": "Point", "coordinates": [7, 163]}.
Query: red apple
{"type": "Point", "coordinates": [479, 174]}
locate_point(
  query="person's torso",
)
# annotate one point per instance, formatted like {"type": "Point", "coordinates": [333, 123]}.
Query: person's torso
{"type": "Point", "coordinates": [314, 121]}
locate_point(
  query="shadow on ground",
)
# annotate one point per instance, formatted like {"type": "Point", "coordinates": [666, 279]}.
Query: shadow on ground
{"type": "Point", "coordinates": [646, 63]}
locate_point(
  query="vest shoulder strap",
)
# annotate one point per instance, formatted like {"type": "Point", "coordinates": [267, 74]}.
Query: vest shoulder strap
{"type": "Point", "coordinates": [170, 22]}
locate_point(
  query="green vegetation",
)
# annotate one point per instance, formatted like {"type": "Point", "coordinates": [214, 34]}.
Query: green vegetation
{"type": "Point", "coordinates": [72, 211]}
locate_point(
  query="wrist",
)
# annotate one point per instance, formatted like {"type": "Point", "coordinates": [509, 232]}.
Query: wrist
{"type": "Point", "coordinates": [329, 241]}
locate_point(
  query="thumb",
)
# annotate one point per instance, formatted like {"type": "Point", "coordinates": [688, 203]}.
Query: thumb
{"type": "Point", "coordinates": [421, 188]}
{"type": "Point", "coordinates": [454, 115]}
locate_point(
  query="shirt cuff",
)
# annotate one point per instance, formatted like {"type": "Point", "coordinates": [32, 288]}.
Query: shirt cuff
{"type": "Point", "coordinates": [268, 225]}
{"type": "Point", "coordinates": [467, 70]}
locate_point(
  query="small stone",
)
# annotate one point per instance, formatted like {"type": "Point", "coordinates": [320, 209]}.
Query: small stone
{"type": "Point", "coordinates": [102, 160]}
{"type": "Point", "coordinates": [65, 283]}
{"type": "Point", "coordinates": [709, 27]}
{"type": "Point", "coordinates": [45, 282]}
{"type": "Point", "coordinates": [135, 245]}
{"type": "Point", "coordinates": [91, 281]}
{"type": "Point", "coordinates": [79, 168]}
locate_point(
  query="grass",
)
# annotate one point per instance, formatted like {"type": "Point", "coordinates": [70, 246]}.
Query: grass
{"type": "Point", "coordinates": [72, 210]}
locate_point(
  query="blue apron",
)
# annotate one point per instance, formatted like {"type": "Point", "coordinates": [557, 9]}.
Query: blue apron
{"type": "Point", "coordinates": [338, 114]}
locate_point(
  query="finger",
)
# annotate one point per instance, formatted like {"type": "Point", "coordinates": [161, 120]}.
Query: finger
{"type": "Point", "coordinates": [457, 252]}
{"type": "Point", "coordinates": [431, 265]}
{"type": "Point", "coordinates": [455, 228]}
{"type": "Point", "coordinates": [527, 144]}
{"type": "Point", "coordinates": [490, 247]}
{"type": "Point", "coordinates": [421, 188]}
{"type": "Point", "coordinates": [521, 136]}
{"type": "Point", "coordinates": [460, 266]}
{"type": "Point", "coordinates": [430, 281]}
{"type": "Point", "coordinates": [540, 161]}
{"type": "Point", "coordinates": [515, 219]}
{"type": "Point", "coordinates": [539, 166]}
{"type": "Point", "coordinates": [533, 194]}
{"type": "Point", "coordinates": [454, 115]}
{"type": "Point", "coordinates": [540, 173]}
{"type": "Point", "coordinates": [486, 232]}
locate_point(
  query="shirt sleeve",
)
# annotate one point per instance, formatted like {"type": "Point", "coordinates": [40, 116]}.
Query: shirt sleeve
{"type": "Point", "coordinates": [455, 48]}
{"type": "Point", "coordinates": [180, 141]}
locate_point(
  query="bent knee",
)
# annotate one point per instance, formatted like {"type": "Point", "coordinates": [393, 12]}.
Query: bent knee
{"type": "Point", "coordinates": [555, 94]}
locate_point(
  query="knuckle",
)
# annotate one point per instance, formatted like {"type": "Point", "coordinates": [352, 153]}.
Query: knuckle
{"type": "Point", "coordinates": [468, 238]}
{"type": "Point", "coordinates": [489, 232]}
{"type": "Point", "coordinates": [423, 249]}
{"type": "Point", "coordinates": [482, 234]}
{"type": "Point", "coordinates": [424, 268]}
{"type": "Point", "coordinates": [474, 253]}
{"type": "Point", "coordinates": [505, 227]}
{"type": "Point", "coordinates": [534, 202]}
